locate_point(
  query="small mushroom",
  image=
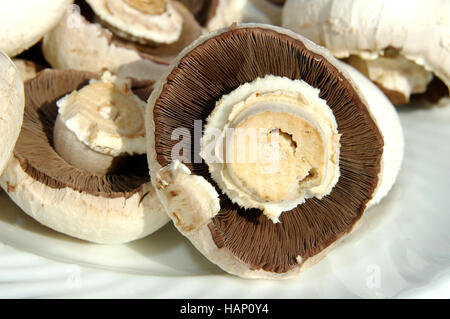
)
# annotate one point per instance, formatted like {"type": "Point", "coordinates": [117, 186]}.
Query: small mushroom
{"type": "Point", "coordinates": [11, 107]}
{"type": "Point", "coordinates": [326, 145]}
{"type": "Point", "coordinates": [24, 22]}
{"type": "Point", "coordinates": [402, 46]}
{"type": "Point", "coordinates": [79, 165]}
{"type": "Point", "coordinates": [128, 37]}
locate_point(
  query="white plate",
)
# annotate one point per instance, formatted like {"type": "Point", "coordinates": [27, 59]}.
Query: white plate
{"type": "Point", "coordinates": [401, 249]}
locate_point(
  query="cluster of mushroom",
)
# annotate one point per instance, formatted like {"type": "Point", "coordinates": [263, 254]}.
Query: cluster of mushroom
{"type": "Point", "coordinates": [262, 147]}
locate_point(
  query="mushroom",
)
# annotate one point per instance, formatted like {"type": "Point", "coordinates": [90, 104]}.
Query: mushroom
{"type": "Point", "coordinates": [24, 22]}
{"type": "Point", "coordinates": [326, 143]}
{"type": "Point", "coordinates": [129, 37]}
{"type": "Point", "coordinates": [11, 107]}
{"type": "Point", "coordinates": [402, 46]}
{"type": "Point", "coordinates": [85, 175]}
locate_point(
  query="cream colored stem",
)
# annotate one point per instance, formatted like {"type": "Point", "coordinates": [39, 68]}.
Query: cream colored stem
{"type": "Point", "coordinates": [81, 156]}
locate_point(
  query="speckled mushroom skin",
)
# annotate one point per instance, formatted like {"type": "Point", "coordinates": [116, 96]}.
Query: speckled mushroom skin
{"type": "Point", "coordinates": [200, 234]}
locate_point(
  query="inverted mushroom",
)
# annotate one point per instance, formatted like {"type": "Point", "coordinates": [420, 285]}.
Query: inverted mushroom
{"type": "Point", "coordinates": [402, 46]}
{"type": "Point", "coordinates": [24, 22]}
{"type": "Point", "coordinates": [129, 37]}
{"type": "Point", "coordinates": [12, 104]}
{"type": "Point", "coordinates": [334, 156]}
{"type": "Point", "coordinates": [79, 165]}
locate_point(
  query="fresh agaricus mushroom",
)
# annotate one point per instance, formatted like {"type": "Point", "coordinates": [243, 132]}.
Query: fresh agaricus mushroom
{"type": "Point", "coordinates": [24, 22]}
{"type": "Point", "coordinates": [11, 107]}
{"type": "Point", "coordinates": [402, 46]}
{"type": "Point", "coordinates": [129, 37]}
{"type": "Point", "coordinates": [79, 165]}
{"type": "Point", "coordinates": [265, 151]}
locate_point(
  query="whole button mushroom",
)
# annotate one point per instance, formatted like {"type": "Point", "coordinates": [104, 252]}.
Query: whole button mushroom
{"type": "Point", "coordinates": [79, 165]}
{"type": "Point", "coordinates": [266, 150]}
{"type": "Point", "coordinates": [402, 46]}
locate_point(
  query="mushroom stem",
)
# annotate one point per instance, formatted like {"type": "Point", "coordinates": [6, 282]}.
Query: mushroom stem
{"type": "Point", "coordinates": [396, 76]}
{"type": "Point", "coordinates": [100, 126]}
{"type": "Point", "coordinates": [283, 147]}
{"type": "Point", "coordinates": [78, 154]}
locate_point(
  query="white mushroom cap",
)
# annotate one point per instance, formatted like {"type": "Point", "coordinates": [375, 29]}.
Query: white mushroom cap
{"type": "Point", "coordinates": [12, 102]}
{"type": "Point", "coordinates": [175, 176]}
{"type": "Point", "coordinates": [24, 22]}
{"type": "Point", "coordinates": [92, 218]}
{"type": "Point", "coordinates": [419, 29]}
{"type": "Point", "coordinates": [79, 45]}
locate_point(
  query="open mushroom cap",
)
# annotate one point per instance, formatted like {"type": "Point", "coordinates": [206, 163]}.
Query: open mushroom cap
{"type": "Point", "coordinates": [236, 61]}
{"type": "Point", "coordinates": [12, 104]}
{"type": "Point", "coordinates": [399, 45]}
{"type": "Point", "coordinates": [24, 22]}
{"type": "Point", "coordinates": [102, 208]}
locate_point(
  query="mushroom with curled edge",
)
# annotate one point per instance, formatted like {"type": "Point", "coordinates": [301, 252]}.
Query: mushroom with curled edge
{"type": "Point", "coordinates": [129, 37]}
{"type": "Point", "coordinates": [12, 102]}
{"type": "Point", "coordinates": [335, 140]}
{"type": "Point", "coordinates": [79, 165]}
{"type": "Point", "coordinates": [402, 46]}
